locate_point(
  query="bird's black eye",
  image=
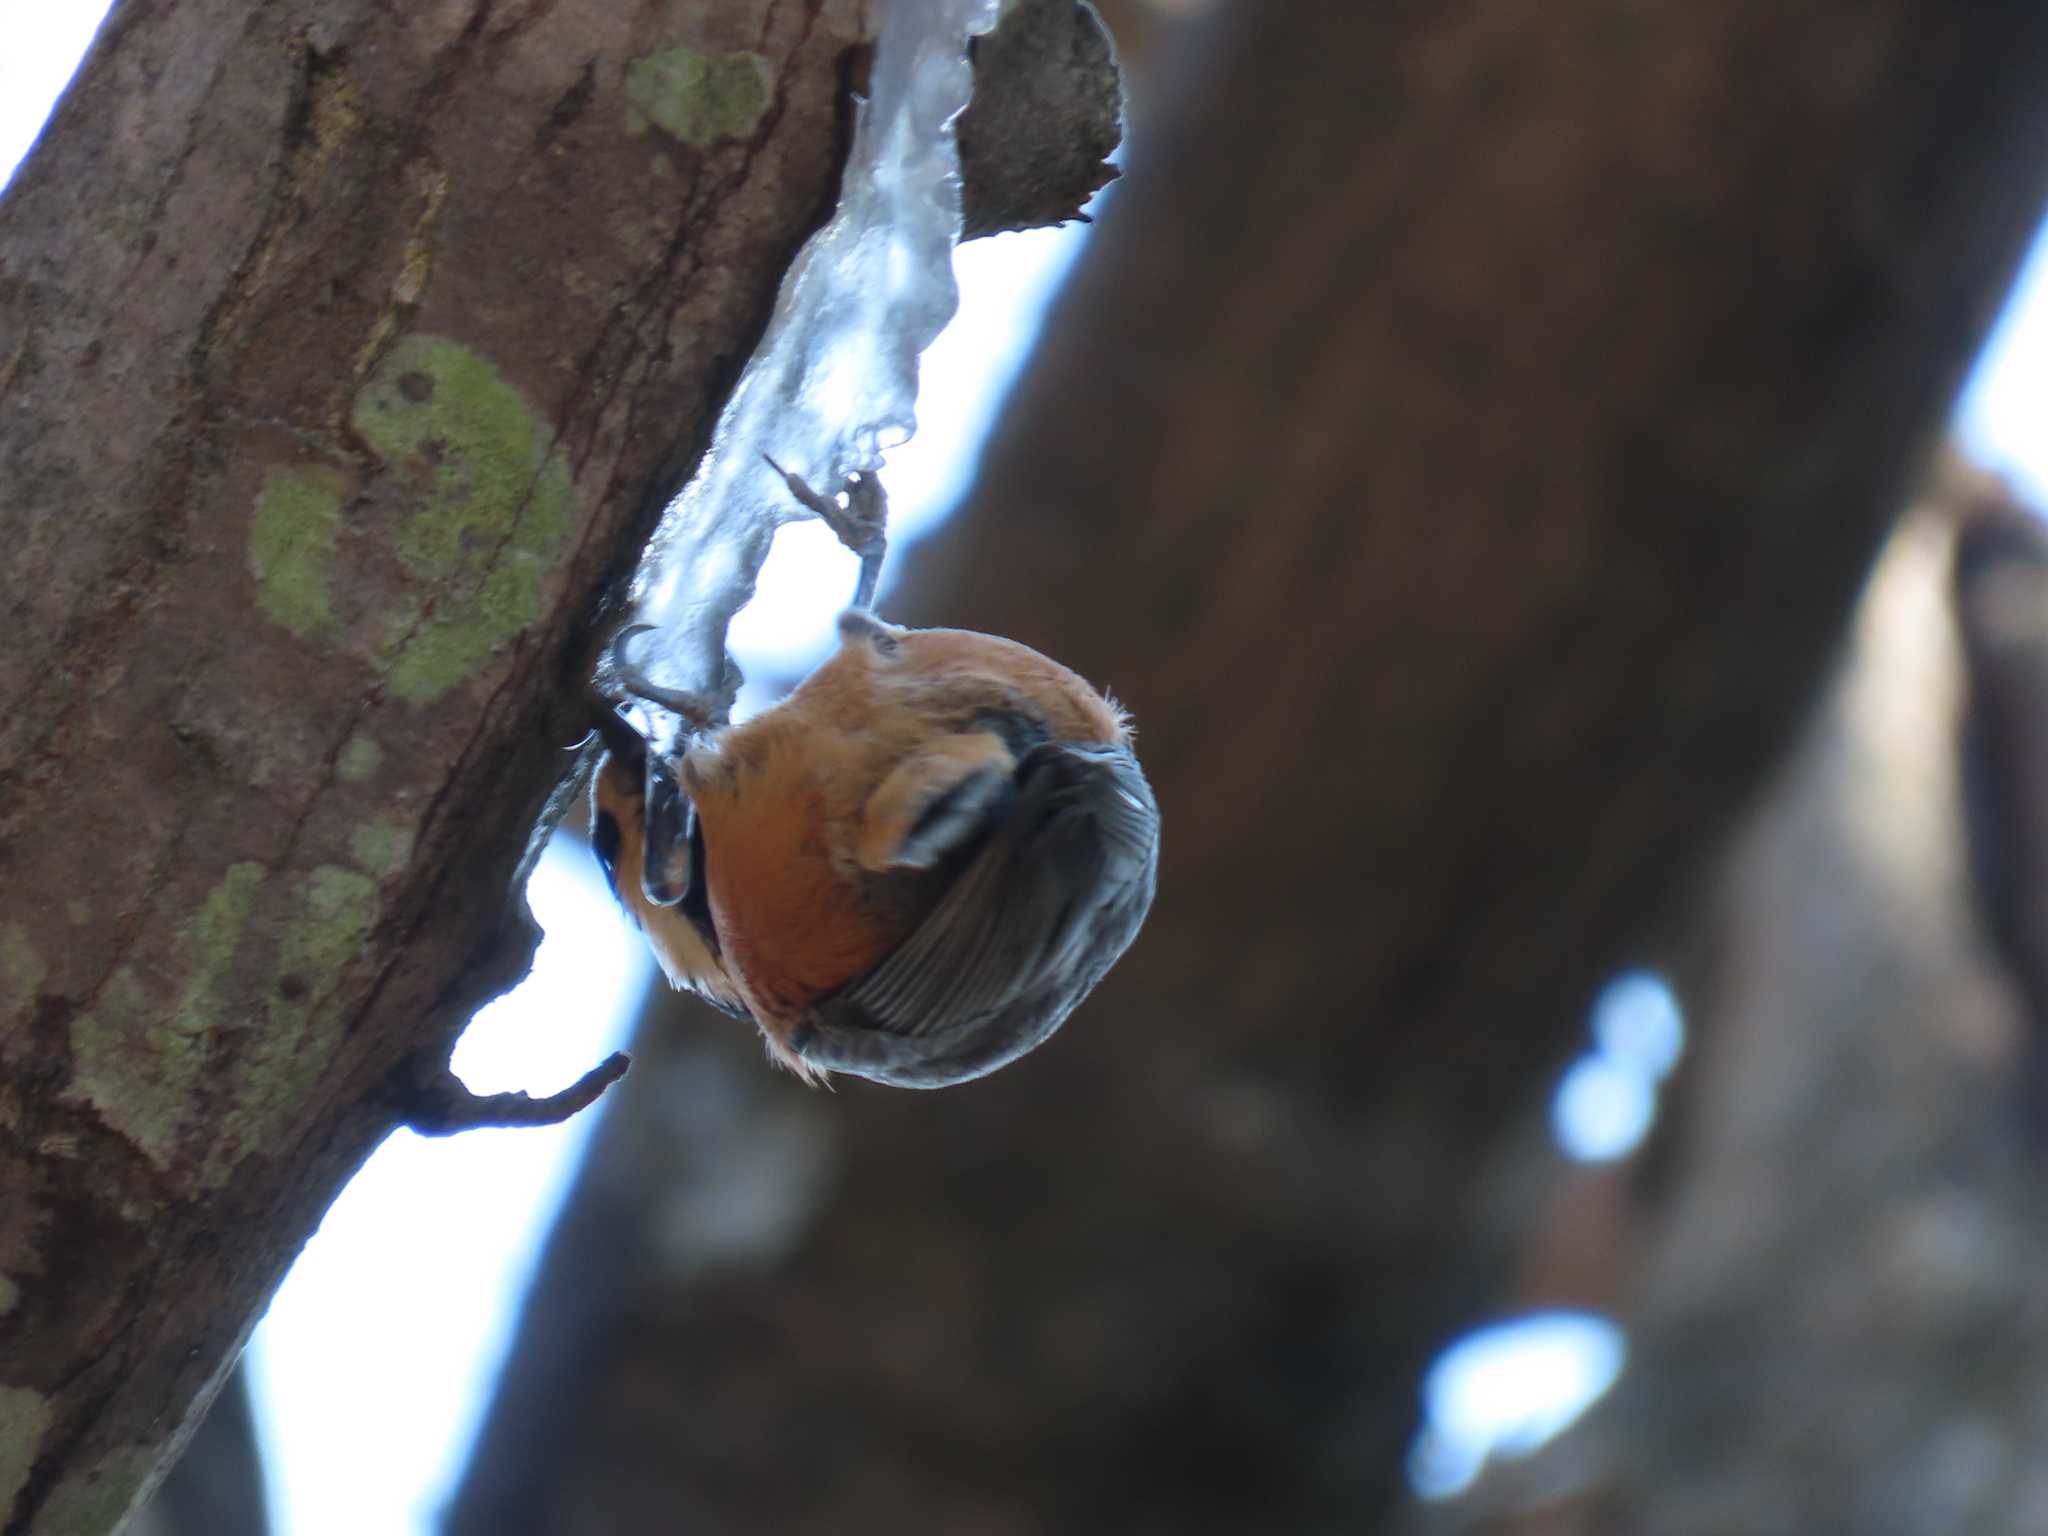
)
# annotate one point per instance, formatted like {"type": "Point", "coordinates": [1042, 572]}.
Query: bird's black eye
{"type": "Point", "coordinates": [604, 842]}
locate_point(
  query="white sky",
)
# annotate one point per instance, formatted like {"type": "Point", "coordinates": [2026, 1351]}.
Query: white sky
{"type": "Point", "coordinates": [41, 42]}
{"type": "Point", "coordinates": [376, 1358]}
{"type": "Point", "coordinates": [2000, 416]}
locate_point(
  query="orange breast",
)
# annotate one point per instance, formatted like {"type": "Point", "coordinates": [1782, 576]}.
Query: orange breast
{"type": "Point", "coordinates": [790, 927]}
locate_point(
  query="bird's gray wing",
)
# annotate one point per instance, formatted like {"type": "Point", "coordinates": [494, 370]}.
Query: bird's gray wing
{"type": "Point", "coordinates": [1028, 927]}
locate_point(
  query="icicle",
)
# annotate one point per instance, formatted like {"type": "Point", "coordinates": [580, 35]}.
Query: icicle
{"type": "Point", "coordinates": [833, 384]}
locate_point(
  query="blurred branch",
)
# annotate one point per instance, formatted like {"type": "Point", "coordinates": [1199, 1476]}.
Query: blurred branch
{"type": "Point", "coordinates": [1461, 446]}
{"type": "Point", "coordinates": [1834, 1308]}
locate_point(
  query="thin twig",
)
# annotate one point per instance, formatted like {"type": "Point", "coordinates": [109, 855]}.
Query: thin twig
{"type": "Point", "coordinates": [445, 1106]}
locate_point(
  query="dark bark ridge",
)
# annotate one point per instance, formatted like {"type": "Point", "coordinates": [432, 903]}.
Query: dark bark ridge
{"type": "Point", "coordinates": [346, 356]}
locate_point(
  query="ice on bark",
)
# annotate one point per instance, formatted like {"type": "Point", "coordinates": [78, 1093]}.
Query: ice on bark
{"type": "Point", "coordinates": [833, 385]}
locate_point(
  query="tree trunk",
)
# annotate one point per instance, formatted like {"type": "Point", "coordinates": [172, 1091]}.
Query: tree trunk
{"type": "Point", "coordinates": [1460, 447]}
{"type": "Point", "coordinates": [347, 353]}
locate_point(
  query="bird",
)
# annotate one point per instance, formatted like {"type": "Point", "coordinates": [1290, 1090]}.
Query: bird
{"type": "Point", "coordinates": [912, 869]}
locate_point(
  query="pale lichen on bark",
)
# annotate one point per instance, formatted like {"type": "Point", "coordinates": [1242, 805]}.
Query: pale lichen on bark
{"type": "Point", "coordinates": [698, 98]}
{"type": "Point", "coordinates": [292, 539]}
{"type": "Point", "coordinates": [24, 1415]}
{"type": "Point", "coordinates": [493, 496]}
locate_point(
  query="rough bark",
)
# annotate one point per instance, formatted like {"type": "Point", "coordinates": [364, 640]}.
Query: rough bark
{"type": "Point", "coordinates": [346, 354]}
{"type": "Point", "coordinates": [1460, 446]}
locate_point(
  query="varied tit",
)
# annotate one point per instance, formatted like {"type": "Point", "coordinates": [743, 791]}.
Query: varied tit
{"type": "Point", "coordinates": [912, 869]}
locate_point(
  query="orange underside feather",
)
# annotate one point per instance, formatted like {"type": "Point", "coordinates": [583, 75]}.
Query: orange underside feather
{"type": "Point", "coordinates": [792, 929]}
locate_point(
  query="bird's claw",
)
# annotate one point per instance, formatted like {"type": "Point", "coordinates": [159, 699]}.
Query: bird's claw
{"type": "Point", "coordinates": [861, 524]}
{"type": "Point", "coordinates": [682, 702]}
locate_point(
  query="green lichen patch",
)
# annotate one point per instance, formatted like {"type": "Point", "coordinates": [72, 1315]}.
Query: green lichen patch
{"type": "Point", "coordinates": [22, 971]}
{"type": "Point", "coordinates": [360, 756]}
{"type": "Point", "coordinates": [10, 1293]}
{"type": "Point", "coordinates": [24, 1416]}
{"type": "Point", "coordinates": [210, 940]}
{"type": "Point", "coordinates": [136, 1072]}
{"type": "Point", "coordinates": [96, 1497]}
{"type": "Point", "coordinates": [698, 98]}
{"type": "Point", "coordinates": [78, 911]}
{"type": "Point", "coordinates": [279, 1063]}
{"type": "Point", "coordinates": [447, 646]}
{"type": "Point", "coordinates": [139, 1065]}
{"type": "Point", "coordinates": [382, 846]}
{"type": "Point", "coordinates": [291, 543]}
{"type": "Point", "coordinates": [336, 911]}
{"type": "Point", "coordinates": [494, 504]}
